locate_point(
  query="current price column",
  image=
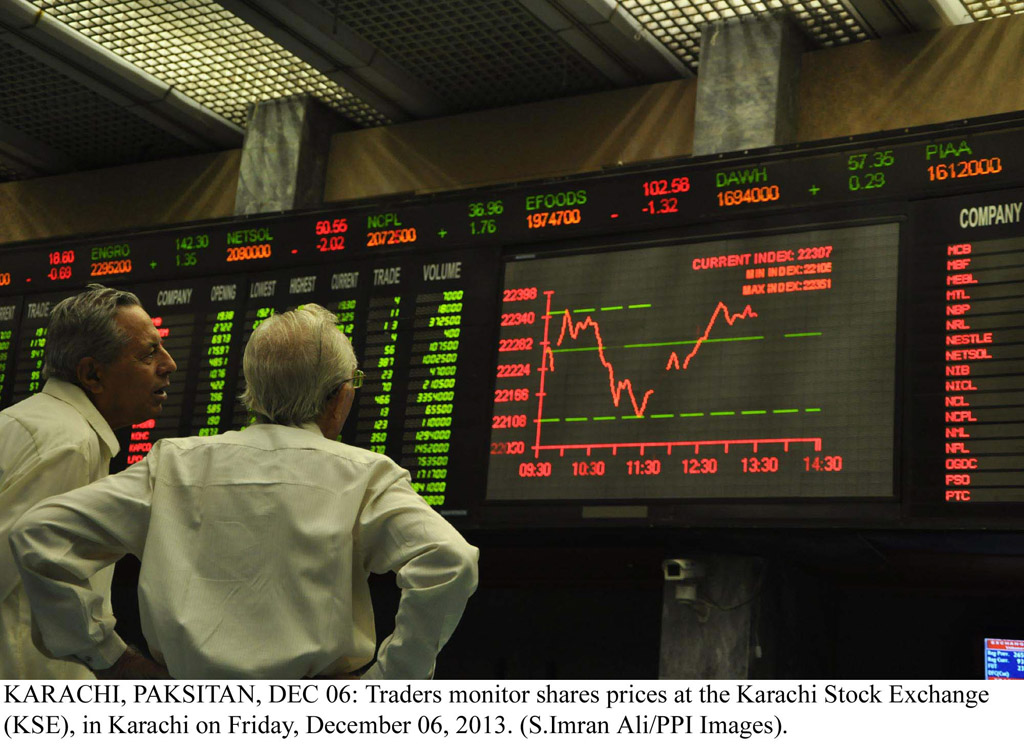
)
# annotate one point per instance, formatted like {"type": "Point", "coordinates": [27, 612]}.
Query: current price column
{"type": "Point", "coordinates": [10, 314]}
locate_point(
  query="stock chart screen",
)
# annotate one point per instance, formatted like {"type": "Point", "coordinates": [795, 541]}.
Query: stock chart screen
{"type": "Point", "coordinates": [739, 368]}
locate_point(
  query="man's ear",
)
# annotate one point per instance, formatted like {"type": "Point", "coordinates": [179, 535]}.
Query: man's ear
{"type": "Point", "coordinates": [337, 403]}
{"type": "Point", "coordinates": [90, 374]}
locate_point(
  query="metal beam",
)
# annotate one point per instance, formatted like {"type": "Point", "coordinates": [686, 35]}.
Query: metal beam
{"type": "Point", "coordinates": [320, 39]}
{"type": "Point", "coordinates": [32, 31]}
{"type": "Point", "coordinates": [953, 11]}
{"type": "Point", "coordinates": [882, 18]}
{"type": "Point", "coordinates": [610, 38]}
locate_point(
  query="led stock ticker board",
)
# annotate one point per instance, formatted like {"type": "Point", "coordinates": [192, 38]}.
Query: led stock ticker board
{"type": "Point", "coordinates": [909, 166]}
{"type": "Point", "coordinates": [739, 368]}
{"type": "Point", "coordinates": [559, 341]}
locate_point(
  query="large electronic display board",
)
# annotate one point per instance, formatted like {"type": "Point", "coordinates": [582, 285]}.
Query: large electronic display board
{"type": "Point", "coordinates": [826, 335]}
{"type": "Point", "coordinates": [755, 367]}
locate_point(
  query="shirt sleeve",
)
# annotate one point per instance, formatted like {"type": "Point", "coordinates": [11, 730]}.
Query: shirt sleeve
{"type": "Point", "coordinates": [38, 476]}
{"type": "Point", "coordinates": [59, 544]}
{"type": "Point", "coordinates": [435, 567]}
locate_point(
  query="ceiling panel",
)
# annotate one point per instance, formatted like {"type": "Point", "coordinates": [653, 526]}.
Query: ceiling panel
{"type": "Point", "coordinates": [476, 54]}
{"type": "Point", "coordinates": [983, 10]}
{"type": "Point", "coordinates": [677, 23]}
{"type": "Point", "coordinates": [206, 52]}
{"type": "Point", "coordinates": [51, 108]}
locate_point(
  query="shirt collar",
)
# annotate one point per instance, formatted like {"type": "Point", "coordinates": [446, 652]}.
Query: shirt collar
{"type": "Point", "coordinates": [75, 397]}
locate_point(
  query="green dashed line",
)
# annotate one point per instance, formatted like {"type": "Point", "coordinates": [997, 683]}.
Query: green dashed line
{"type": "Point", "coordinates": [684, 415]}
{"type": "Point", "coordinates": [687, 343]}
{"type": "Point", "coordinates": [652, 345]}
{"type": "Point", "coordinates": [603, 309]}
{"type": "Point", "coordinates": [798, 335]}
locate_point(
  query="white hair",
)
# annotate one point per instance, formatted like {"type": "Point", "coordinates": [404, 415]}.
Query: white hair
{"type": "Point", "coordinates": [294, 362]}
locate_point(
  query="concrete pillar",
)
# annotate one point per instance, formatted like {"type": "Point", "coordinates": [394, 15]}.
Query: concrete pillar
{"type": "Point", "coordinates": [708, 618]}
{"type": "Point", "coordinates": [747, 84]}
{"type": "Point", "coordinates": [284, 157]}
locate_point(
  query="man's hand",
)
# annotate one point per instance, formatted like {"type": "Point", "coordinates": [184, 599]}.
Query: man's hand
{"type": "Point", "coordinates": [133, 665]}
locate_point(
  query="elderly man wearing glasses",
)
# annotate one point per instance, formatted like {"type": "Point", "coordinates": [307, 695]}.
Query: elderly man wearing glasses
{"type": "Point", "coordinates": [256, 545]}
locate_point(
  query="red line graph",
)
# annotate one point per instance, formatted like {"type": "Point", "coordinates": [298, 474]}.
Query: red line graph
{"type": "Point", "coordinates": [616, 386]}
{"type": "Point", "coordinates": [721, 308]}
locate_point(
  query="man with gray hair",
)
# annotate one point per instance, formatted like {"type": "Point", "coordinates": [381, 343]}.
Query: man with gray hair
{"type": "Point", "coordinates": [105, 368]}
{"type": "Point", "coordinates": [256, 545]}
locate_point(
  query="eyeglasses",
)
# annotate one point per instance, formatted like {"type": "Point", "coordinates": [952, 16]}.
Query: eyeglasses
{"type": "Point", "coordinates": [356, 379]}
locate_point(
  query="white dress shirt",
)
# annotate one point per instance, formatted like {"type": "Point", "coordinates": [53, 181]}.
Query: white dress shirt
{"type": "Point", "coordinates": [255, 549]}
{"type": "Point", "coordinates": [50, 443]}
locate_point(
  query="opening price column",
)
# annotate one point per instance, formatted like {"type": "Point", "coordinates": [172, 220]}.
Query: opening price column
{"type": "Point", "coordinates": [217, 357]}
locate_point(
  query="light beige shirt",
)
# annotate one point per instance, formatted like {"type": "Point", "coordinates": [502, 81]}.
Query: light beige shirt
{"type": "Point", "coordinates": [255, 549]}
{"type": "Point", "coordinates": [50, 443]}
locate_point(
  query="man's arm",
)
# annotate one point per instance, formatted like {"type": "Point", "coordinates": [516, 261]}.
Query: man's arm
{"type": "Point", "coordinates": [436, 569]}
{"type": "Point", "coordinates": [135, 666]}
{"type": "Point", "coordinates": [30, 479]}
{"type": "Point", "coordinates": [59, 544]}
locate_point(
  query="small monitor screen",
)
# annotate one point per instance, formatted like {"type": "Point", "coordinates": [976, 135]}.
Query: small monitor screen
{"type": "Point", "coordinates": [1004, 659]}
